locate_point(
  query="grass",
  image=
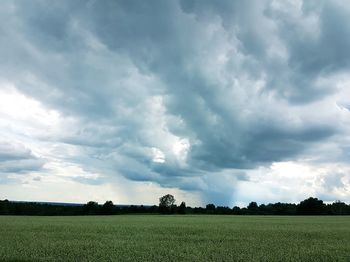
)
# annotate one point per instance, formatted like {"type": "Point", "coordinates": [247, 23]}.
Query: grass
{"type": "Point", "coordinates": [174, 238]}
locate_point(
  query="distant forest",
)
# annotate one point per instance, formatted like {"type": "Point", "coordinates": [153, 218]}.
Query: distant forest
{"type": "Point", "coordinates": [310, 206]}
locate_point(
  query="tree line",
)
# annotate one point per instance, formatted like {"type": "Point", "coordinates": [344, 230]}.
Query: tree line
{"type": "Point", "coordinates": [310, 206]}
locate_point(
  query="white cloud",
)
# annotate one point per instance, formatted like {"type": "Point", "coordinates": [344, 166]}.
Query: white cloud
{"type": "Point", "coordinates": [158, 155]}
{"type": "Point", "coordinates": [293, 182]}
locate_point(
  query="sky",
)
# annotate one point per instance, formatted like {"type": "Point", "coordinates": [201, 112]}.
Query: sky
{"type": "Point", "coordinates": [222, 102]}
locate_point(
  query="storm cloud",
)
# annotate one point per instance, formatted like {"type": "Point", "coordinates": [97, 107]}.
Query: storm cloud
{"type": "Point", "coordinates": [16, 161]}
{"type": "Point", "coordinates": [194, 95]}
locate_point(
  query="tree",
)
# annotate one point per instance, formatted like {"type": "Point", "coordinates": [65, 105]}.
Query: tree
{"type": "Point", "coordinates": [311, 206]}
{"type": "Point", "coordinates": [4, 207]}
{"type": "Point", "coordinates": [253, 208]}
{"type": "Point", "coordinates": [339, 208]}
{"type": "Point", "coordinates": [166, 203]}
{"type": "Point", "coordinates": [236, 210]}
{"type": "Point", "coordinates": [91, 208]}
{"type": "Point", "coordinates": [210, 208]}
{"type": "Point", "coordinates": [108, 208]}
{"type": "Point", "coordinates": [182, 208]}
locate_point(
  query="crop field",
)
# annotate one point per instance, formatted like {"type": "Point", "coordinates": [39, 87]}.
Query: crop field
{"type": "Point", "coordinates": [174, 238]}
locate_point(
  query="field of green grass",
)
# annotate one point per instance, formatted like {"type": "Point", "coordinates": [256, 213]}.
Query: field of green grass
{"type": "Point", "coordinates": [174, 238]}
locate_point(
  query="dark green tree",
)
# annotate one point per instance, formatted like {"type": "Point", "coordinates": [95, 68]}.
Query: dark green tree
{"type": "Point", "coordinates": [253, 208]}
{"type": "Point", "coordinates": [182, 208]}
{"type": "Point", "coordinates": [4, 207]}
{"type": "Point", "coordinates": [311, 206]}
{"type": "Point", "coordinates": [91, 208]}
{"type": "Point", "coordinates": [108, 208]}
{"type": "Point", "coordinates": [166, 204]}
{"type": "Point", "coordinates": [339, 208]}
{"type": "Point", "coordinates": [210, 208]}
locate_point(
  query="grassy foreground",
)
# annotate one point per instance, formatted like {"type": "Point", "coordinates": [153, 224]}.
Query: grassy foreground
{"type": "Point", "coordinates": [174, 238]}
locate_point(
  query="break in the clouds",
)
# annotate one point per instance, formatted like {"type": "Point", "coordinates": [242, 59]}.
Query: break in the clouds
{"type": "Point", "coordinates": [225, 102]}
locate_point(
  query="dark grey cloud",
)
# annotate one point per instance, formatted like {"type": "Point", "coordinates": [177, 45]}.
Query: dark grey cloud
{"type": "Point", "coordinates": [13, 152]}
{"type": "Point", "coordinates": [236, 79]}
{"type": "Point", "coordinates": [15, 158]}
{"type": "Point", "coordinates": [317, 42]}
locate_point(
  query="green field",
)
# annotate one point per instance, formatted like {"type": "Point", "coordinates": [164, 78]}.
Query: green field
{"type": "Point", "coordinates": [174, 238]}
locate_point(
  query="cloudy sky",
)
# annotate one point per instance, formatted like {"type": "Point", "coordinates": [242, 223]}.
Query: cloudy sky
{"type": "Point", "coordinates": [213, 101]}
